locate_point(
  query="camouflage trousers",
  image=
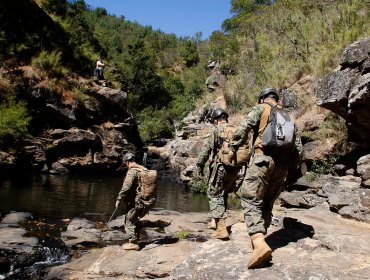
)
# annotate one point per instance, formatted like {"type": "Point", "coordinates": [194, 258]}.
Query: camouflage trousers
{"type": "Point", "coordinates": [262, 185]}
{"type": "Point", "coordinates": [221, 183]}
{"type": "Point", "coordinates": [133, 215]}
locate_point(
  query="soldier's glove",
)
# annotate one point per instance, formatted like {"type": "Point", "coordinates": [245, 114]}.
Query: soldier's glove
{"type": "Point", "coordinates": [200, 170]}
{"type": "Point", "coordinates": [117, 203]}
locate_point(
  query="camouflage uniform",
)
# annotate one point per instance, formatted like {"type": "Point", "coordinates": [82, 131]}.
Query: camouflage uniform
{"type": "Point", "coordinates": [265, 176]}
{"type": "Point", "coordinates": [136, 207]}
{"type": "Point", "coordinates": [221, 178]}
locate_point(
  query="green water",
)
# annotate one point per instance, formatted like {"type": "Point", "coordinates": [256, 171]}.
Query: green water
{"type": "Point", "coordinates": [71, 196]}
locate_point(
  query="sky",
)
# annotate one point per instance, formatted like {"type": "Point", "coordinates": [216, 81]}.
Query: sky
{"type": "Point", "coordinates": [181, 17]}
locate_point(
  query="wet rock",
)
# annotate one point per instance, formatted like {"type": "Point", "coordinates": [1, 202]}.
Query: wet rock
{"type": "Point", "coordinates": [15, 247]}
{"type": "Point", "coordinates": [15, 218]}
{"type": "Point", "coordinates": [58, 168]}
{"type": "Point", "coordinates": [4, 265]}
{"type": "Point", "coordinates": [81, 232]}
{"type": "Point", "coordinates": [7, 161]}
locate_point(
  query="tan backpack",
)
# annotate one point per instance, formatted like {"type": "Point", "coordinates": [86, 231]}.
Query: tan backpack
{"type": "Point", "coordinates": [242, 154]}
{"type": "Point", "coordinates": [148, 183]}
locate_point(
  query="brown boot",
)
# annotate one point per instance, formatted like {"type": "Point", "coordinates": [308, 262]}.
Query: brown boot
{"type": "Point", "coordinates": [212, 224]}
{"type": "Point", "coordinates": [221, 231]}
{"type": "Point", "coordinates": [131, 246]}
{"type": "Point", "coordinates": [261, 251]}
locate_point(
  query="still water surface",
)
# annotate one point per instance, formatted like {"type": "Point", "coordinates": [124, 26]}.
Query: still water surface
{"type": "Point", "coordinates": [71, 196]}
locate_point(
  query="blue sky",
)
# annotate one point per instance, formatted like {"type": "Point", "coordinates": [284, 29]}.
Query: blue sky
{"type": "Point", "coordinates": [182, 17]}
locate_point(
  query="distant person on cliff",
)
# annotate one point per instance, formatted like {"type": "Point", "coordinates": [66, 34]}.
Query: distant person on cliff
{"type": "Point", "coordinates": [99, 69]}
{"type": "Point", "coordinates": [139, 194]}
{"type": "Point", "coordinates": [276, 144]}
{"type": "Point", "coordinates": [222, 175]}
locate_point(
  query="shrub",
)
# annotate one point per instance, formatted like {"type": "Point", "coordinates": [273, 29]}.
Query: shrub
{"type": "Point", "coordinates": [49, 62]}
{"type": "Point", "coordinates": [154, 124]}
{"type": "Point", "coordinates": [13, 121]}
{"type": "Point", "coordinates": [197, 185]}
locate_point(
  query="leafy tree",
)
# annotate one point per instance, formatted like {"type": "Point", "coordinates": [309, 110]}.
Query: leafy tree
{"type": "Point", "coordinates": [189, 53]}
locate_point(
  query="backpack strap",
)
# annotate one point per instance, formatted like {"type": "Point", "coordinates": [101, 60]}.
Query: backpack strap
{"type": "Point", "coordinates": [261, 128]}
{"type": "Point", "coordinates": [140, 169]}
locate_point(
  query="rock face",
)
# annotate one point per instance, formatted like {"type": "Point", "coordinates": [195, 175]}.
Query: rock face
{"type": "Point", "coordinates": [216, 78]}
{"type": "Point", "coordinates": [346, 92]}
{"type": "Point", "coordinates": [73, 132]}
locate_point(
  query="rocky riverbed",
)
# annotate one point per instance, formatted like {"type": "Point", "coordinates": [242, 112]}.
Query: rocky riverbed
{"type": "Point", "coordinates": [308, 244]}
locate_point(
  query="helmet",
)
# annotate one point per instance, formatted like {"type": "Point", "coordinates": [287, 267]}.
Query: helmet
{"type": "Point", "coordinates": [128, 157]}
{"type": "Point", "coordinates": [219, 113]}
{"type": "Point", "coordinates": [267, 92]}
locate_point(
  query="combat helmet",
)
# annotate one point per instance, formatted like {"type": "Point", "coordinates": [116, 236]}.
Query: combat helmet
{"type": "Point", "coordinates": [218, 113]}
{"type": "Point", "coordinates": [268, 92]}
{"type": "Point", "coordinates": [128, 157]}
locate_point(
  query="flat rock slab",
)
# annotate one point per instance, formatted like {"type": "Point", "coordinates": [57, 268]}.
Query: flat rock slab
{"type": "Point", "coordinates": [307, 244]}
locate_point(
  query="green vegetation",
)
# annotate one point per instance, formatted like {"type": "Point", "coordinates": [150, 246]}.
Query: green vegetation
{"type": "Point", "coordinates": [280, 43]}
{"type": "Point", "coordinates": [265, 43]}
{"type": "Point", "coordinates": [198, 185]}
{"type": "Point", "coordinates": [13, 121]}
{"type": "Point", "coordinates": [50, 63]}
{"type": "Point", "coordinates": [183, 234]}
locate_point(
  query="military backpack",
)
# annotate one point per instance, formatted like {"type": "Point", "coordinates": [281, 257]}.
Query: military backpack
{"type": "Point", "coordinates": [280, 132]}
{"type": "Point", "coordinates": [147, 183]}
{"type": "Point", "coordinates": [242, 154]}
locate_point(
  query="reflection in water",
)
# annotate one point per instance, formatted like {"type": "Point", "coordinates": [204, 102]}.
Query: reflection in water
{"type": "Point", "coordinates": [69, 196]}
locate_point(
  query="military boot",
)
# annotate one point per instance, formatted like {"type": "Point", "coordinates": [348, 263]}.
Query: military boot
{"type": "Point", "coordinates": [221, 231]}
{"type": "Point", "coordinates": [261, 251]}
{"type": "Point", "coordinates": [212, 224]}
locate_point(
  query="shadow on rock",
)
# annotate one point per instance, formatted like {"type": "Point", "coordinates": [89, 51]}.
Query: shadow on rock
{"type": "Point", "coordinates": [292, 231]}
{"type": "Point", "coordinates": [154, 224]}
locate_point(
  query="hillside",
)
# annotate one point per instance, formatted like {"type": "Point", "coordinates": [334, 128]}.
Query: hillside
{"type": "Point", "coordinates": [46, 81]}
{"type": "Point", "coordinates": [47, 91]}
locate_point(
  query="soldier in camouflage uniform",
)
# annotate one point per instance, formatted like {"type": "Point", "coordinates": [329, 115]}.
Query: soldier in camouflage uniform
{"type": "Point", "coordinates": [222, 178]}
{"type": "Point", "coordinates": [265, 176]}
{"type": "Point", "coordinates": [136, 208]}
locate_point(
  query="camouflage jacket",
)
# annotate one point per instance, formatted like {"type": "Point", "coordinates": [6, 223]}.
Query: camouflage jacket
{"type": "Point", "coordinates": [131, 182]}
{"type": "Point", "coordinates": [211, 144]}
{"type": "Point", "coordinates": [252, 122]}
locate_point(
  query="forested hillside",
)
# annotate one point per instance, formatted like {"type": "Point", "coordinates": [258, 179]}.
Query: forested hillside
{"type": "Point", "coordinates": [161, 73]}
{"type": "Point", "coordinates": [265, 43]}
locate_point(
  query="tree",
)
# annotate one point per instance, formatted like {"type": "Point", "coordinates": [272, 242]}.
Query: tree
{"type": "Point", "coordinates": [189, 53]}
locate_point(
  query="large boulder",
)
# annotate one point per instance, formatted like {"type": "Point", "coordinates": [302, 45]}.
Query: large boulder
{"type": "Point", "coordinates": [346, 197]}
{"type": "Point", "coordinates": [363, 170]}
{"type": "Point", "coordinates": [346, 92]}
